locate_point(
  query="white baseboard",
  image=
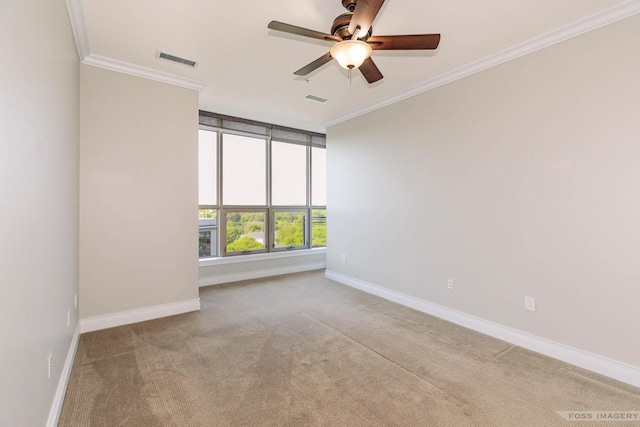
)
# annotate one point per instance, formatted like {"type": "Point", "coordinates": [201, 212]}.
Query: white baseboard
{"type": "Point", "coordinates": [592, 362]}
{"type": "Point", "coordinates": [257, 274]}
{"type": "Point", "coordinates": [96, 323]}
{"type": "Point", "coordinates": [61, 390]}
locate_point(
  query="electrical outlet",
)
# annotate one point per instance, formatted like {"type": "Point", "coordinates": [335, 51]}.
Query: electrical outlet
{"type": "Point", "coordinates": [530, 303]}
{"type": "Point", "coordinates": [49, 365]}
{"type": "Point", "coordinates": [451, 284]}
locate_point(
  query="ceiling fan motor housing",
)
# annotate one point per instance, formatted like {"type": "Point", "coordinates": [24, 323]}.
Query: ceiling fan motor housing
{"type": "Point", "coordinates": [340, 27]}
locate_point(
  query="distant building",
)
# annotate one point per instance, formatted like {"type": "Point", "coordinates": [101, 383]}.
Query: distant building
{"type": "Point", "coordinates": [208, 237]}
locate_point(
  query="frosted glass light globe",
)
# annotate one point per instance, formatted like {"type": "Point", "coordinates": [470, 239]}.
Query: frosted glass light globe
{"type": "Point", "coordinates": [351, 53]}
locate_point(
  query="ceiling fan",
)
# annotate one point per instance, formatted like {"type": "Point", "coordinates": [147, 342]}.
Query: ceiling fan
{"type": "Point", "coordinates": [352, 33]}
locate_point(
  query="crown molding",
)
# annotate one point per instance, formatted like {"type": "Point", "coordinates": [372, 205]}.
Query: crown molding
{"type": "Point", "coordinates": [607, 16]}
{"type": "Point", "coordinates": [144, 72]}
{"type": "Point", "coordinates": [78, 27]}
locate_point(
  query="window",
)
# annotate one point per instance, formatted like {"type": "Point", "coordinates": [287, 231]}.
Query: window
{"type": "Point", "coordinates": [318, 180]}
{"type": "Point", "coordinates": [289, 229]}
{"type": "Point", "coordinates": [208, 167]}
{"type": "Point", "coordinates": [245, 232]}
{"type": "Point", "coordinates": [244, 170]}
{"type": "Point", "coordinates": [319, 228]}
{"type": "Point", "coordinates": [289, 174]}
{"type": "Point", "coordinates": [261, 188]}
{"type": "Point", "coordinates": [208, 233]}
{"type": "Point", "coordinates": [208, 193]}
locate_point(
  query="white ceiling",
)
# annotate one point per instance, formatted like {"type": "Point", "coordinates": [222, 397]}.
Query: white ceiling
{"type": "Point", "coordinates": [248, 69]}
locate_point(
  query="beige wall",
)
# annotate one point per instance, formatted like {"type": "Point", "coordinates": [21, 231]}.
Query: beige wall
{"type": "Point", "coordinates": [138, 193]}
{"type": "Point", "coordinates": [38, 204]}
{"type": "Point", "coordinates": [520, 180]}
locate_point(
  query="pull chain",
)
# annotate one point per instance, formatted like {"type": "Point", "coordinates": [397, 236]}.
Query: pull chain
{"type": "Point", "coordinates": [349, 76]}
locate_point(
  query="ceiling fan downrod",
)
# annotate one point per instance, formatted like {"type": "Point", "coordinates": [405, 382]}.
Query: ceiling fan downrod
{"type": "Point", "coordinates": [350, 5]}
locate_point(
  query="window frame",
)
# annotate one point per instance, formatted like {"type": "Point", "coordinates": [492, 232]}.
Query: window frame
{"type": "Point", "coordinates": [305, 230]}
{"type": "Point", "coordinates": [223, 232]}
{"type": "Point", "coordinates": [267, 170]}
{"type": "Point", "coordinates": [268, 209]}
{"type": "Point", "coordinates": [311, 209]}
{"type": "Point", "coordinates": [307, 173]}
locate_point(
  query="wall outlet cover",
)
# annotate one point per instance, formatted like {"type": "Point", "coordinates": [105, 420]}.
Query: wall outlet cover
{"type": "Point", "coordinates": [530, 303]}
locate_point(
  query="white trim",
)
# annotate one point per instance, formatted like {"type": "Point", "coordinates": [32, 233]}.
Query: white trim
{"type": "Point", "coordinates": [607, 16]}
{"type": "Point", "coordinates": [78, 27]}
{"type": "Point", "coordinates": [204, 262]}
{"type": "Point", "coordinates": [592, 362]}
{"type": "Point", "coordinates": [96, 323]}
{"type": "Point", "coordinates": [61, 390]}
{"type": "Point", "coordinates": [144, 72]}
{"type": "Point", "coordinates": [257, 274]}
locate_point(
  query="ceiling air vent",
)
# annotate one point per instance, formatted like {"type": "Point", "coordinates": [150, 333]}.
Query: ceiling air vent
{"type": "Point", "coordinates": [177, 59]}
{"type": "Point", "coordinates": [315, 98]}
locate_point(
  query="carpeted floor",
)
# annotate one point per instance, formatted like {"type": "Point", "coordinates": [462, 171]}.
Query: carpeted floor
{"type": "Point", "coordinates": [302, 350]}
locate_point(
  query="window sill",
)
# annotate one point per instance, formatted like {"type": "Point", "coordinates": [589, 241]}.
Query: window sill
{"type": "Point", "coordinates": [259, 257]}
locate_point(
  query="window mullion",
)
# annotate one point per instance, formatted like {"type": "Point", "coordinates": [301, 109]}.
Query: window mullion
{"type": "Point", "coordinates": [309, 194]}
{"type": "Point", "coordinates": [269, 237]}
{"type": "Point", "coordinates": [222, 222]}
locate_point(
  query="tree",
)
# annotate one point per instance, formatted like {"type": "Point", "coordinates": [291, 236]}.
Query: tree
{"type": "Point", "coordinates": [234, 231]}
{"type": "Point", "coordinates": [289, 228]}
{"type": "Point", "coordinates": [244, 243]}
{"type": "Point", "coordinates": [319, 235]}
{"type": "Point", "coordinates": [290, 235]}
{"type": "Point", "coordinates": [254, 226]}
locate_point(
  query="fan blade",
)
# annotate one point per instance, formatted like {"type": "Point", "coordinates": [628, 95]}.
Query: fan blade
{"type": "Point", "coordinates": [292, 29]}
{"type": "Point", "coordinates": [408, 42]}
{"type": "Point", "coordinates": [363, 16]}
{"type": "Point", "coordinates": [370, 71]}
{"type": "Point", "coordinates": [314, 65]}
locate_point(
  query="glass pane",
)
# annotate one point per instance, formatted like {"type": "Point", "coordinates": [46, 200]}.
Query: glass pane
{"type": "Point", "coordinates": [245, 231]}
{"type": "Point", "coordinates": [244, 170]}
{"type": "Point", "coordinates": [289, 229]}
{"type": "Point", "coordinates": [288, 174]}
{"type": "Point", "coordinates": [318, 228]}
{"type": "Point", "coordinates": [208, 167]}
{"type": "Point", "coordinates": [319, 176]}
{"type": "Point", "coordinates": [208, 233]}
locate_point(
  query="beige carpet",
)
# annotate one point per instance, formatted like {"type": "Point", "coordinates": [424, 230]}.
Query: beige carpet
{"type": "Point", "coordinates": [302, 350]}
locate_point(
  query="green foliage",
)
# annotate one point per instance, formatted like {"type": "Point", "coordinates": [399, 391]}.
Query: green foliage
{"type": "Point", "coordinates": [319, 228]}
{"type": "Point", "coordinates": [290, 235]}
{"type": "Point", "coordinates": [319, 235]}
{"type": "Point", "coordinates": [254, 226]}
{"type": "Point", "coordinates": [289, 229]}
{"type": "Point", "coordinates": [241, 223]}
{"type": "Point", "coordinates": [234, 232]}
{"type": "Point", "coordinates": [244, 243]}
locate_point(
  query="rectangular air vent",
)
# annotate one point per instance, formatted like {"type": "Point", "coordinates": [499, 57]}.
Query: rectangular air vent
{"type": "Point", "coordinates": [177, 59]}
{"type": "Point", "coordinates": [315, 98]}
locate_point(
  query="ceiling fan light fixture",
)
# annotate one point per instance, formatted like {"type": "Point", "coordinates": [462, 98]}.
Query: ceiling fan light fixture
{"type": "Point", "coordinates": [351, 53]}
